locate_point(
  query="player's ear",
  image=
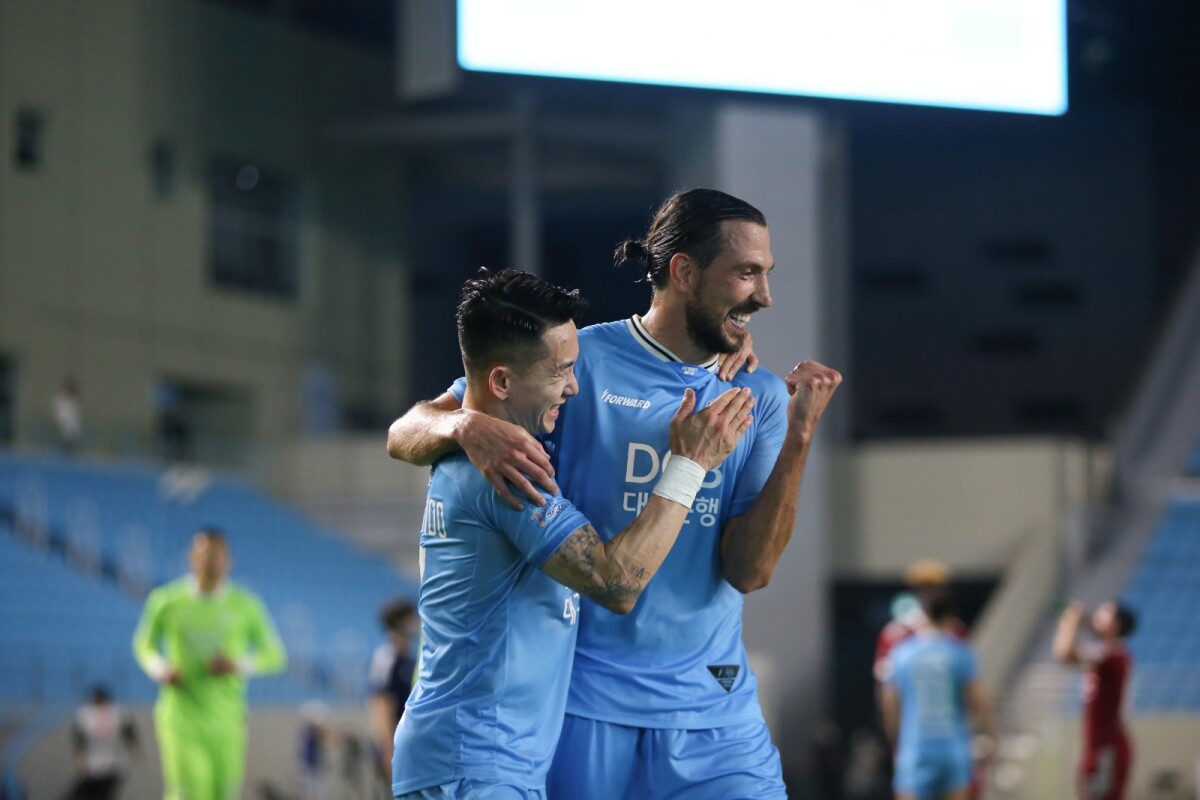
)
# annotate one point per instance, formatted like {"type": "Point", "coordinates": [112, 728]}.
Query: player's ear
{"type": "Point", "coordinates": [500, 381]}
{"type": "Point", "coordinates": [683, 271]}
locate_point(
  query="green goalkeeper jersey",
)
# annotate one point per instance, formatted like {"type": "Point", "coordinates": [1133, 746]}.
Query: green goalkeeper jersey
{"type": "Point", "coordinates": [183, 629]}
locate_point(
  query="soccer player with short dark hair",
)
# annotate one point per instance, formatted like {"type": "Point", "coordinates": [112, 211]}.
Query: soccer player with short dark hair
{"type": "Point", "coordinates": [662, 701]}
{"type": "Point", "coordinates": [200, 638]}
{"type": "Point", "coordinates": [931, 692]}
{"type": "Point", "coordinates": [500, 587]}
{"type": "Point", "coordinates": [1107, 751]}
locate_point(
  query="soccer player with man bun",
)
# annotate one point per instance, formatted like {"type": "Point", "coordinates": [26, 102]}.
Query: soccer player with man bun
{"type": "Point", "coordinates": [662, 700]}
{"type": "Point", "coordinates": [500, 587]}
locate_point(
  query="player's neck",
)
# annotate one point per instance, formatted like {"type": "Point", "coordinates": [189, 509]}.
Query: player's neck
{"type": "Point", "coordinates": [207, 586]}
{"type": "Point", "coordinates": [492, 406]}
{"type": "Point", "coordinates": [666, 321]}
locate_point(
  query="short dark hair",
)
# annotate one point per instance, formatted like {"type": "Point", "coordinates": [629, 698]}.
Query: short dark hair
{"type": "Point", "coordinates": [395, 614]}
{"type": "Point", "coordinates": [212, 533]}
{"type": "Point", "coordinates": [937, 603]}
{"type": "Point", "coordinates": [502, 316]}
{"type": "Point", "coordinates": [688, 222]}
{"type": "Point", "coordinates": [1126, 619]}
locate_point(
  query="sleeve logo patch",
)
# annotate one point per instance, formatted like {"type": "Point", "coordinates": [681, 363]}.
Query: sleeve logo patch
{"type": "Point", "coordinates": [725, 674]}
{"type": "Point", "coordinates": [543, 514]}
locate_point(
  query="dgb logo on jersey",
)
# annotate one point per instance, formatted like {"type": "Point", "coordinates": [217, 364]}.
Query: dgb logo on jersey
{"type": "Point", "coordinates": [643, 464]}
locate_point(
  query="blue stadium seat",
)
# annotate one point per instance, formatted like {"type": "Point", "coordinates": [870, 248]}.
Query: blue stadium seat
{"type": "Point", "coordinates": [323, 592]}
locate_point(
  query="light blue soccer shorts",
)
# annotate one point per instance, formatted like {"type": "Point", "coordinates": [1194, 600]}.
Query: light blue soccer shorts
{"type": "Point", "coordinates": [603, 761]}
{"type": "Point", "coordinates": [468, 789]}
{"type": "Point", "coordinates": [931, 771]}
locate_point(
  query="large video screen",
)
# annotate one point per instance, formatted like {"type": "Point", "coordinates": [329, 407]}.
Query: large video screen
{"type": "Point", "coordinates": [1000, 55]}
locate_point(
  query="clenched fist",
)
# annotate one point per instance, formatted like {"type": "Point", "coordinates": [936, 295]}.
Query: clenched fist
{"type": "Point", "coordinates": [811, 386]}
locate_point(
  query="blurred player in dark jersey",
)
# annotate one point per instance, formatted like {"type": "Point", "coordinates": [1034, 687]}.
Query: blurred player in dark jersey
{"type": "Point", "coordinates": [1107, 751]}
{"type": "Point", "coordinates": [391, 679]}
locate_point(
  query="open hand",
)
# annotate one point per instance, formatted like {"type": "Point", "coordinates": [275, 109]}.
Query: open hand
{"type": "Point", "coordinates": [709, 435]}
{"type": "Point", "coordinates": [505, 453]}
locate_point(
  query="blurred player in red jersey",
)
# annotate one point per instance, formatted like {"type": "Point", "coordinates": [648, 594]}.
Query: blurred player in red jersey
{"type": "Point", "coordinates": [921, 577]}
{"type": "Point", "coordinates": [1107, 752]}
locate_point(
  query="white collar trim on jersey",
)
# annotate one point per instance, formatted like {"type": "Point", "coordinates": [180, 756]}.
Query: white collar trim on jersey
{"type": "Point", "coordinates": [655, 348]}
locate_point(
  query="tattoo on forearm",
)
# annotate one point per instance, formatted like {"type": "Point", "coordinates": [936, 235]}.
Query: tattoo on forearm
{"type": "Point", "coordinates": [577, 556]}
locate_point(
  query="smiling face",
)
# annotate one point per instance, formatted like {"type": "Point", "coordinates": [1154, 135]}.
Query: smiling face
{"type": "Point", "coordinates": [535, 391]}
{"type": "Point", "coordinates": [730, 288]}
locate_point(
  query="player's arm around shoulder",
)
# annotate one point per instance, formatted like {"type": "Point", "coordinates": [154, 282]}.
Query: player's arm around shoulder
{"type": "Point", "coordinates": [505, 453]}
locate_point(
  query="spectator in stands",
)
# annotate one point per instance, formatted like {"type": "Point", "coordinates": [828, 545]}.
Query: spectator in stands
{"type": "Point", "coordinates": [391, 679]}
{"type": "Point", "coordinates": [1107, 752]}
{"type": "Point", "coordinates": [200, 638]}
{"type": "Point", "coordinates": [103, 736]}
{"type": "Point", "coordinates": [66, 413]}
{"type": "Point", "coordinates": [931, 695]}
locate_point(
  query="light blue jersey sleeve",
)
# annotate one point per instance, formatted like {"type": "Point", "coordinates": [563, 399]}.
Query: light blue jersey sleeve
{"type": "Point", "coordinates": [536, 531]}
{"type": "Point", "coordinates": [967, 668]}
{"type": "Point", "coordinates": [770, 410]}
{"type": "Point", "coordinates": [458, 389]}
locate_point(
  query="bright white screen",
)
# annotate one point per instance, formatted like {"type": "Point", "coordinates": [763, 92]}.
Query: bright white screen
{"type": "Point", "coordinates": [1002, 55]}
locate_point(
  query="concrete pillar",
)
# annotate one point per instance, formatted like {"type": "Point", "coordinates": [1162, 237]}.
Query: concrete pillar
{"type": "Point", "coordinates": [788, 162]}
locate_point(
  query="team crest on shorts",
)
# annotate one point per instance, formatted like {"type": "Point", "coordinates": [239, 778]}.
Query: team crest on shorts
{"type": "Point", "coordinates": [725, 674]}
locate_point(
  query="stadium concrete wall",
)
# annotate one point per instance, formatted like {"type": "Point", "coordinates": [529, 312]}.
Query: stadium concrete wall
{"type": "Point", "coordinates": [105, 278]}
{"type": "Point", "coordinates": [967, 503]}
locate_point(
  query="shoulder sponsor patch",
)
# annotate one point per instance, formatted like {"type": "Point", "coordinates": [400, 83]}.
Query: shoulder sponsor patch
{"type": "Point", "coordinates": [725, 674]}
{"type": "Point", "coordinates": [543, 514]}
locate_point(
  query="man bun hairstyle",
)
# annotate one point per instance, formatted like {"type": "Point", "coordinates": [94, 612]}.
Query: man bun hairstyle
{"type": "Point", "coordinates": [503, 314]}
{"type": "Point", "coordinates": [688, 222]}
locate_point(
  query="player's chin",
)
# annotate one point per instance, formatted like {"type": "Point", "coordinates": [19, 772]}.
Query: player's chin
{"type": "Point", "coordinates": [549, 420]}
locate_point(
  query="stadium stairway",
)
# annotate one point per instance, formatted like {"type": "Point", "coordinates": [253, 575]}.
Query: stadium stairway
{"type": "Point", "coordinates": [85, 541]}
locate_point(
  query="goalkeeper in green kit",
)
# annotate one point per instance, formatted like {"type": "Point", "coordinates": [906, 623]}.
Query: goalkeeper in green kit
{"type": "Point", "coordinates": [199, 638]}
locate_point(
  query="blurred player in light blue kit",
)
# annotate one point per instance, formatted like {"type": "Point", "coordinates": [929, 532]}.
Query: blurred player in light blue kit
{"type": "Point", "coordinates": [500, 587]}
{"type": "Point", "coordinates": [663, 701]}
{"type": "Point", "coordinates": [931, 691]}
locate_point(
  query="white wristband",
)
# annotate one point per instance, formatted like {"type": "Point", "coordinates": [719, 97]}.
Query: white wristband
{"type": "Point", "coordinates": [681, 480]}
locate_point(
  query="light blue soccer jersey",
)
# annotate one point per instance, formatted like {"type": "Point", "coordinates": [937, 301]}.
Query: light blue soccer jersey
{"type": "Point", "coordinates": [677, 660]}
{"type": "Point", "coordinates": [931, 671]}
{"type": "Point", "coordinates": [498, 637]}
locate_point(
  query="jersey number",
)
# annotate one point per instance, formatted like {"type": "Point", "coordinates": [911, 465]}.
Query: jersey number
{"type": "Point", "coordinates": [571, 608]}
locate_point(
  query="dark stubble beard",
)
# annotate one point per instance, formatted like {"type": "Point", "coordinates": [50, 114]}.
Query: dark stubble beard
{"type": "Point", "coordinates": [705, 327]}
